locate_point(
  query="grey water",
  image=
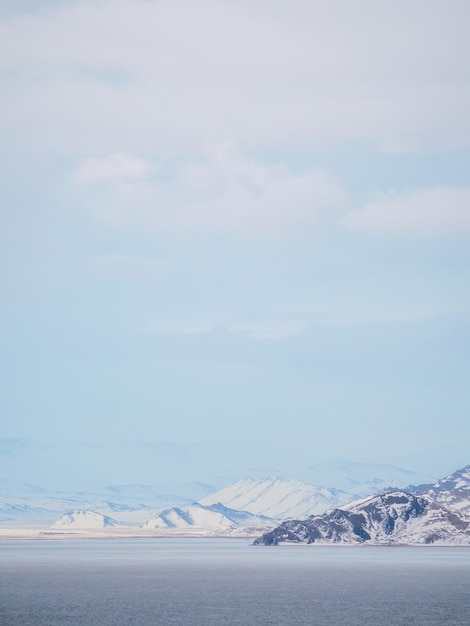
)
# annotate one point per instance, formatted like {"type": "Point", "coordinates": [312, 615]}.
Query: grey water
{"type": "Point", "coordinates": [227, 582]}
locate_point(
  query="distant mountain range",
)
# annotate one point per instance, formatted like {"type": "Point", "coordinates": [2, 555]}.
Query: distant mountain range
{"type": "Point", "coordinates": [436, 513]}
{"type": "Point", "coordinates": [309, 513]}
{"type": "Point", "coordinates": [362, 479]}
{"type": "Point", "coordinates": [206, 520]}
{"type": "Point", "coordinates": [277, 498]}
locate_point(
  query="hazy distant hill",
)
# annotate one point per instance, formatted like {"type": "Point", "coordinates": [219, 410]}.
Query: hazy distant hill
{"type": "Point", "coordinates": [363, 479]}
{"type": "Point", "coordinates": [26, 505]}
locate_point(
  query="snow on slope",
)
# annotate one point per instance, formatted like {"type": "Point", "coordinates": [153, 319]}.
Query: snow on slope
{"type": "Point", "coordinates": [84, 520]}
{"type": "Point", "coordinates": [278, 498]}
{"type": "Point", "coordinates": [457, 480]}
{"type": "Point", "coordinates": [452, 492]}
{"type": "Point", "coordinates": [436, 513]}
{"type": "Point", "coordinates": [36, 510]}
{"type": "Point", "coordinates": [399, 517]}
{"type": "Point", "coordinates": [197, 516]}
{"type": "Point", "coordinates": [392, 518]}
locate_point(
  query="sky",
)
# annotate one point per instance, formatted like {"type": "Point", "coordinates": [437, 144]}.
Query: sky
{"type": "Point", "coordinates": [234, 237]}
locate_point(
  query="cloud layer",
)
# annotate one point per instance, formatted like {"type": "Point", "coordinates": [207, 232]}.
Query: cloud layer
{"type": "Point", "coordinates": [438, 211]}
{"type": "Point", "coordinates": [219, 191]}
{"type": "Point", "coordinates": [136, 76]}
{"type": "Point", "coordinates": [115, 167]}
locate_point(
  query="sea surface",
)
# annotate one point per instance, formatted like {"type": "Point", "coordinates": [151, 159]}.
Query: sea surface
{"type": "Point", "coordinates": [226, 582]}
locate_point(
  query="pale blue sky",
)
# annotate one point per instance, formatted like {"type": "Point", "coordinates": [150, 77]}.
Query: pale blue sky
{"type": "Point", "coordinates": [240, 226]}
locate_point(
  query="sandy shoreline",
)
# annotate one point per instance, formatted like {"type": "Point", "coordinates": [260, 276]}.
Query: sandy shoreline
{"type": "Point", "coordinates": [113, 533]}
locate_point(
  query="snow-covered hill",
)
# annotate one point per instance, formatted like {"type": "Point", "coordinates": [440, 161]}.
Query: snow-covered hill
{"type": "Point", "coordinates": [285, 498]}
{"type": "Point", "coordinates": [43, 510]}
{"type": "Point", "coordinates": [84, 520]}
{"type": "Point", "coordinates": [279, 498]}
{"type": "Point", "coordinates": [197, 516]}
{"type": "Point", "coordinates": [438, 513]}
{"type": "Point", "coordinates": [452, 492]}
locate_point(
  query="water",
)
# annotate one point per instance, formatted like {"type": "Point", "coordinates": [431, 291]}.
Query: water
{"type": "Point", "coordinates": [228, 582]}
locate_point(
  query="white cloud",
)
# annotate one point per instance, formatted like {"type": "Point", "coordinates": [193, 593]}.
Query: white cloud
{"type": "Point", "coordinates": [427, 212]}
{"type": "Point", "coordinates": [115, 167]}
{"type": "Point", "coordinates": [220, 190]}
{"type": "Point", "coordinates": [136, 76]}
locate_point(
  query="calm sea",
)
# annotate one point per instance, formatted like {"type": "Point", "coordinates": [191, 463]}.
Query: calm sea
{"type": "Point", "coordinates": [226, 582]}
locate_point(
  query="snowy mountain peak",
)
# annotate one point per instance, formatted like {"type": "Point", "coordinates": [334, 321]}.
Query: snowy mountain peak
{"type": "Point", "coordinates": [457, 480]}
{"type": "Point", "coordinates": [197, 516]}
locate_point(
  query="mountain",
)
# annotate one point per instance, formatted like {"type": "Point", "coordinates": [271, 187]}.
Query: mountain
{"type": "Point", "coordinates": [34, 510]}
{"type": "Point", "coordinates": [31, 505]}
{"type": "Point", "coordinates": [278, 498]}
{"type": "Point", "coordinates": [452, 492]}
{"type": "Point", "coordinates": [28, 505]}
{"type": "Point", "coordinates": [84, 520]}
{"type": "Point", "coordinates": [197, 516]}
{"type": "Point", "coordinates": [434, 513]}
{"type": "Point", "coordinates": [193, 519]}
{"type": "Point", "coordinates": [458, 480]}
{"type": "Point", "coordinates": [43, 510]}
{"type": "Point", "coordinates": [20, 512]}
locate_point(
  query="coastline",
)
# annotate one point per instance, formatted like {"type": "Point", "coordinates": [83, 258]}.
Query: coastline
{"type": "Point", "coordinates": [45, 534]}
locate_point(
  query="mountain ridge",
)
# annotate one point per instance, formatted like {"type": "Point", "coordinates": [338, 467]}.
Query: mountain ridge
{"type": "Point", "coordinates": [272, 500]}
{"type": "Point", "coordinates": [433, 514]}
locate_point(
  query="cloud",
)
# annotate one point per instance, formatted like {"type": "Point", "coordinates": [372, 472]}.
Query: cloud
{"type": "Point", "coordinates": [115, 167]}
{"type": "Point", "coordinates": [219, 190]}
{"type": "Point", "coordinates": [423, 212]}
{"type": "Point", "coordinates": [255, 72]}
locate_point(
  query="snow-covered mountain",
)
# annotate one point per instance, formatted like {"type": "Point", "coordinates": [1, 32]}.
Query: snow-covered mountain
{"type": "Point", "coordinates": [452, 492]}
{"type": "Point", "coordinates": [278, 498]}
{"type": "Point", "coordinates": [36, 510]}
{"type": "Point", "coordinates": [194, 519]}
{"type": "Point", "coordinates": [84, 520]}
{"type": "Point", "coordinates": [438, 513]}
{"type": "Point", "coordinates": [43, 510]}
{"type": "Point", "coordinates": [20, 511]}
{"type": "Point", "coordinates": [32, 505]}
{"type": "Point", "coordinates": [197, 516]}
{"type": "Point", "coordinates": [457, 480]}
